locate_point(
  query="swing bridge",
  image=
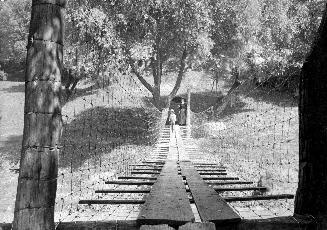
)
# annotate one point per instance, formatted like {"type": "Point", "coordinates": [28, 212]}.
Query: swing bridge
{"type": "Point", "coordinates": [121, 167]}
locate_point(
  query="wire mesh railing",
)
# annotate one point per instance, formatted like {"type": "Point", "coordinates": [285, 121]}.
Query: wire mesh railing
{"type": "Point", "coordinates": [107, 126]}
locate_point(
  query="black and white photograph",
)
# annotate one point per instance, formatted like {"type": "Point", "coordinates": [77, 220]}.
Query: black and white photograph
{"type": "Point", "coordinates": [163, 115]}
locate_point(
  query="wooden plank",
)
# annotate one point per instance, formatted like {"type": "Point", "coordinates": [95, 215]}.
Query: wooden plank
{"type": "Point", "coordinates": [264, 197]}
{"type": "Point", "coordinates": [206, 164]}
{"type": "Point", "coordinates": [156, 227]}
{"type": "Point", "coordinates": [154, 162]}
{"type": "Point", "coordinates": [220, 189]}
{"type": "Point", "coordinates": [210, 205]}
{"type": "Point", "coordinates": [146, 172]}
{"type": "Point", "coordinates": [89, 202]}
{"type": "Point", "coordinates": [229, 182]}
{"type": "Point", "coordinates": [136, 178]}
{"type": "Point", "coordinates": [212, 173]}
{"type": "Point", "coordinates": [278, 223]}
{"type": "Point", "coordinates": [198, 226]}
{"type": "Point", "coordinates": [167, 202]}
{"type": "Point", "coordinates": [116, 224]}
{"type": "Point", "coordinates": [147, 165]}
{"type": "Point", "coordinates": [211, 170]}
{"type": "Point", "coordinates": [123, 191]}
{"type": "Point", "coordinates": [147, 169]}
{"type": "Point", "coordinates": [220, 178]}
{"type": "Point", "coordinates": [130, 182]}
{"type": "Point", "coordinates": [209, 167]}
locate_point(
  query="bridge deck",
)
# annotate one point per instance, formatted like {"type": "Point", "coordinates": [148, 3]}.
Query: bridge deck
{"type": "Point", "coordinates": [167, 202]}
{"type": "Point", "coordinates": [210, 205]}
{"type": "Point", "coordinates": [166, 198]}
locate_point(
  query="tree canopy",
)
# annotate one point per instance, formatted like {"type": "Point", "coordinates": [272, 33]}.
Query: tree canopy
{"type": "Point", "coordinates": [266, 40]}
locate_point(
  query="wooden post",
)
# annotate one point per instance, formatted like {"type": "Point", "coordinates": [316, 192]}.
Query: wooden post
{"type": "Point", "coordinates": [188, 116]}
{"type": "Point", "coordinates": [37, 182]}
{"type": "Point", "coordinates": [311, 196]}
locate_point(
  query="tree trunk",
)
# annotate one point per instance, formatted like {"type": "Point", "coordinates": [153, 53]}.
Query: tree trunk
{"type": "Point", "coordinates": [179, 77]}
{"type": "Point", "coordinates": [37, 182]}
{"type": "Point", "coordinates": [156, 95]}
{"type": "Point", "coordinates": [311, 196]}
{"type": "Point", "coordinates": [138, 75]}
{"type": "Point", "coordinates": [156, 65]}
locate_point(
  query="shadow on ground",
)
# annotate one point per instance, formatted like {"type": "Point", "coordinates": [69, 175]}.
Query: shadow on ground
{"type": "Point", "coordinates": [101, 130]}
{"type": "Point", "coordinates": [10, 148]}
{"type": "Point", "coordinates": [200, 101]}
{"type": "Point", "coordinates": [283, 99]}
{"type": "Point", "coordinates": [15, 88]}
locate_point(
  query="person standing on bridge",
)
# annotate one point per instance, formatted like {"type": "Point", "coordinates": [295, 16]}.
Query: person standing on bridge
{"type": "Point", "coordinates": [172, 119]}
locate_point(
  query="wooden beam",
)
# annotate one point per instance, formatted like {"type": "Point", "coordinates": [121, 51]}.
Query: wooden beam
{"type": "Point", "coordinates": [220, 178]}
{"type": "Point", "coordinates": [116, 224]}
{"type": "Point", "coordinates": [154, 162]}
{"type": "Point", "coordinates": [213, 173]}
{"type": "Point", "coordinates": [156, 227]}
{"type": "Point", "coordinates": [229, 182]}
{"type": "Point", "coordinates": [140, 169]}
{"type": "Point", "coordinates": [89, 202]}
{"type": "Point", "coordinates": [149, 172]}
{"type": "Point", "coordinates": [210, 166]}
{"type": "Point", "coordinates": [198, 226]}
{"type": "Point", "coordinates": [136, 178]}
{"type": "Point", "coordinates": [211, 170]}
{"type": "Point", "coordinates": [168, 201]}
{"type": "Point", "coordinates": [123, 191]}
{"type": "Point", "coordinates": [147, 165]}
{"type": "Point", "coordinates": [220, 189]}
{"type": "Point", "coordinates": [277, 223]}
{"type": "Point", "coordinates": [130, 182]}
{"type": "Point", "coordinates": [148, 169]}
{"type": "Point", "coordinates": [211, 207]}
{"type": "Point", "coordinates": [265, 197]}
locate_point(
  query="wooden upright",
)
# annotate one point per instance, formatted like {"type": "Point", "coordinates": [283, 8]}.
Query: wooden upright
{"type": "Point", "coordinates": [37, 182]}
{"type": "Point", "coordinates": [188, 112]}
{"type": "Point", "coordinates": [311, 197]}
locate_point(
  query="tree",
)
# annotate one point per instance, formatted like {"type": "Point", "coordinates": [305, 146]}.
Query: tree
{"type": "Point", "coordinates": [311, 196]}
{"type": "Point", "coordinates": [163, 33]}
{"type": "Point", "coordinates": [14, 19]}
{"type": "Point", "coordinates": [37, 182]}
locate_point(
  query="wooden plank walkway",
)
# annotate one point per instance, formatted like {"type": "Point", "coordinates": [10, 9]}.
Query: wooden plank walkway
{"type": "Point", "coordinates": [210, 205]}
{"type": "Point", "coordinates": [167, 202]}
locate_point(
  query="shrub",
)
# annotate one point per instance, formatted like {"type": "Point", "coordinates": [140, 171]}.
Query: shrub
{"type": "Point", "coordinates": [3, 75]}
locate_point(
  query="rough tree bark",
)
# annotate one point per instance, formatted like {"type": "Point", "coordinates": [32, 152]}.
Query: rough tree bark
{"type": "Point", "coordinates": [37, 182]}
{"type": "Point", "coordinates": [179, 77]}
{"type": "Point", "coordinates": [311, 196]}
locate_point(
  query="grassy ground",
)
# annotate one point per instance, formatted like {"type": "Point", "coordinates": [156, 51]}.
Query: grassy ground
{"type": "Point", "coordinates": [11, 129]}
{"type": "Point", "coordinates": [105, 129]}
{"type": "Point", "coordinates": [258, 140]}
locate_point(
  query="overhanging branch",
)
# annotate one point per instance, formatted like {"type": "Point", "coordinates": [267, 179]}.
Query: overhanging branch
{"type": "Point", "coordinates": [138, 75]}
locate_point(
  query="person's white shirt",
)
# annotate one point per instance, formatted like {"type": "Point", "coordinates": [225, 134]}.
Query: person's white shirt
{"type": "Point", "coordinates": [172, 117]}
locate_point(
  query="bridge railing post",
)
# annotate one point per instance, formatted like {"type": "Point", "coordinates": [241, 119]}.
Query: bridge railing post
{"type": "Point", "coordinates": [188, 116]}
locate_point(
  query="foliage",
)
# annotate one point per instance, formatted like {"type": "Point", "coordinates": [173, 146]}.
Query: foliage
{"type": "Point", "coordinates": [161, 36]}
{"type": "Point", "coordinates": [267, 40]}
{"type": "Point", "coordinates": [14, 22]}
{"type": "Point", "coordinates": [92, 41]}
{"type": "Point", "coordinates": [3, 75]}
